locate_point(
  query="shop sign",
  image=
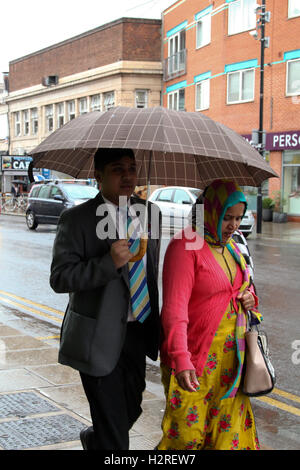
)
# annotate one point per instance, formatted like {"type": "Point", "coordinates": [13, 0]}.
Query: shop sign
{"type": "Point", "coordinates": [279, 141]}
{"type": "Point", "coordinates": [14, 162]}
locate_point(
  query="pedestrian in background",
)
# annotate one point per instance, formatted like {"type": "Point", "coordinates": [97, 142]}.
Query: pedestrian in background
{"type": "Point", "coordinates": [112, 320]}
{"type": "Point", "coordinates": [203, 332]}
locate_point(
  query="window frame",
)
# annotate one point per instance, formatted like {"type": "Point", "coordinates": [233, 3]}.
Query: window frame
{"type": "Point", "coordinates": [203, 19]}
{"type": "Point", "coordinates": [49, 118]}
{"type": "Point", "coordinates": [145, 101]}
{"type": "Point", "coordinates": [241, 24]}
{"type": "Point", "coordinates": [172, 95]}
{"type": "Point", "coordinates": [26, 122]}
{"type": "Point", "coordinates": [297, 92]}
{"type": "Point", "coordinates": [83, 105]}
{"type": "Point", "coordinates": [240, 72]}
{"type": "Point", "coordinates": [17, 123]}
{"type": "Point", "coordinates": [290, 8]}
{"type": "Point", "coordinates": [71, 112]}
{"type": "Point", "coordinates": [97, 106]}
{"type": "Point", "coordinates": [109, 103]}
{"type": "Point", "coordinates": [60, 107]}
{"type": "Point", "coordinates": [34, 117]}
{"type": "Point", "coordinates": [198, 85]}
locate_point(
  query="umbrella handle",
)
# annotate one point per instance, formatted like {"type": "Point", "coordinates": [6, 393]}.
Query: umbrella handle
{"type": "Point", "coordinates": [142, 250]}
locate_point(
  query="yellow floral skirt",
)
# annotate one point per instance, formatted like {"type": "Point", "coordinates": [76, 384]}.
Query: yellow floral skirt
{"type": "Point", "coordinates": [202, 420]}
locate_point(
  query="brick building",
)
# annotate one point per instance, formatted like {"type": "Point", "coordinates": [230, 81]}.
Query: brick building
{"type": "Point", "coordinates": [212, 65]}
{"type": "Point", "coordinates": [118, 63]}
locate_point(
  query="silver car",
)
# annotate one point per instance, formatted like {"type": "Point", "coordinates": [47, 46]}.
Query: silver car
{"type": "Point", "coordinates": [175, 203]}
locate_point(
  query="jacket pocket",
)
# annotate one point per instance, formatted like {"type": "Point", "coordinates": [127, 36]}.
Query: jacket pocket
{"type": "Point", "coordinates": [77, 336]}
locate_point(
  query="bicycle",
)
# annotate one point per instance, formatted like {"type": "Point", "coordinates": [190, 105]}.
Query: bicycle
{"type": "Point", "coordinates": [13, 204]}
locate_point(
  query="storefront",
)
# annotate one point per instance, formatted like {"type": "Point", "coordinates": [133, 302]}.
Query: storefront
{"type": "Point", "coordinates": [14, 169]}
{"type": "Point", "coordinates": [285, 146]}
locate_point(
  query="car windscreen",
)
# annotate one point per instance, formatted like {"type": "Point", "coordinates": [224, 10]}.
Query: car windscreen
{"type": "Point", "coordinates": [80, 191]}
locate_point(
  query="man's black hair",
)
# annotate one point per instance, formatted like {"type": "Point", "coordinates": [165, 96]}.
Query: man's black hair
{"type": "Point", "coordinates": [103, 156]}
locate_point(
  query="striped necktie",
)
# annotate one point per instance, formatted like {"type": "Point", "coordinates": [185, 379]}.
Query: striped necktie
{"type": "Point", "coordinates": [140, 301]}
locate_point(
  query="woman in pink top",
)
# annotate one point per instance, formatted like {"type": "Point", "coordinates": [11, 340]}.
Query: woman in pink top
{"type": "Point", "coordinates": [206, 292]}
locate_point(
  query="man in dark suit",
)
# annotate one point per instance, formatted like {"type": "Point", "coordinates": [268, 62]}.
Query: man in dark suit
{"type": "Point", "coordinates": [101, 337]}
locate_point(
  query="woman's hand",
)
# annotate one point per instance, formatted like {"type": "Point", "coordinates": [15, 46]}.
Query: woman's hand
{"type": "Point", "coordinates": [247, 300]}
{"type": "Point", "coordinates": [187, 379]}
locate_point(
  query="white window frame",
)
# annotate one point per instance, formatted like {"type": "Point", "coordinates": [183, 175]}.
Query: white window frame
{"type": "Point", "coordinates": [34, 121]}
{"type": "Point", "coordinates": [83, 106]}
{"type": "Point", "coordinates": [244, 22]}
{"type": "Point", "coordinates": [71, 110]}
{"type": "Point", "coordinates": [141, 103]}
{"type": "Point", "coordinates": [176, 44]}
{"type": "Point", "coordinates": [96, 103]}
{"type": "Point", "coordinates": [174, 99]}
{"type": "Point", "coordinates": [60, 107]}
{"type": "Point", "coordinates": [108, 100]}
{"type": "Point", "coordinates": [49, 118]}
{"type": "Point", "coordinates": [17, 119]}
{"type": "Point", "coordinates": [297, 90]}
{"type": "Point", "coordinates": [202, 102]}
{"type": "Point", "coordinates": [294, 8]}
{"type": "Point", "coordinates": [205, 24]}
{"type": "Point", "coordinates": [26, 123]}
{"type": "Point", "coordinates": [241, 72]}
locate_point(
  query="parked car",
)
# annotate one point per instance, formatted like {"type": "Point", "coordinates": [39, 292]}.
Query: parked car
{"type": "Point", "coordinates": [46, 201]}
{"type": "Point", "coordinates": [175, 203]}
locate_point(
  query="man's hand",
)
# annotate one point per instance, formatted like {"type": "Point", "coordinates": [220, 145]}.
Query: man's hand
{"type": "Point", "coordinates": [187, 379]}
{"type": "Point", "coordinates": [120, 253]}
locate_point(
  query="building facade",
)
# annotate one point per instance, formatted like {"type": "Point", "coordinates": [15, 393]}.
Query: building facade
{"type": "Point", "coordinates": [116, 64]}
{"type": "Point", "coordinates": [212, 65]}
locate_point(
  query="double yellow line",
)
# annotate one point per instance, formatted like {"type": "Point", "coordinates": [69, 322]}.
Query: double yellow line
{"type": "Point", "coordinates": [32, 307]}
{"type": "Point", "coordinates": [57, 316]}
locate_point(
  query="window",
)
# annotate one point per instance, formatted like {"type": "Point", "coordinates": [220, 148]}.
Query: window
{"type": "Point", "coordinates": [202, 95]}
{"type": "Point", "coordinates": [17, 124]}
{"type": "Point", "coordinates": [83, 109]}
{"type": "Point", "coordinates": [203, 30]}
{"type": "Point", "coordinates": [176, 100]}
{"type": "Point", "coordinates": [44, 192]}
{"type": "Point", "coordinates": [26, 122]}
{"type": "Point", "coordinates": [291, 182]}
{"type": "Point", "coordinates": [165, 195]}
{"type": "Point", "coordinates": [34, 121]}
{"type": "Point", "coordinates": [294, 8]}
{"type": "Point", "coordinates": [240, 86]}
{"type": "Point", "coordinates": [95, 103]}
{"type": "Point", "coordinates": [241, 16]}
{"type": "Point", "coordinates": [181, 197]}
{"type": "Point", "coordinates": [49, 118]}
{"type": "Point", "coordinates": [109, 100]}
{"type": "Point", "coordinates": [141, 98]}
{"type": "Point", "coordinates": [293, 77]}
{"type": "Point", "coordinates": [55, 191]}
{"type": "Point", "coordinates": [71, 110]}
{"type": "Point", "coordinates": [60, 114]}
{"type": "Point", "coordinates": [176, 49]}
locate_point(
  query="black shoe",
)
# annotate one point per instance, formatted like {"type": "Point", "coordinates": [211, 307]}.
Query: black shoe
{"type": "Point", "coordinates": [85, 437]}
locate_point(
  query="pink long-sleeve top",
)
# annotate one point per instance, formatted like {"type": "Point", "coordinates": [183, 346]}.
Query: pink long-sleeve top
{"type": "Point", "coordinates": [196, 294]}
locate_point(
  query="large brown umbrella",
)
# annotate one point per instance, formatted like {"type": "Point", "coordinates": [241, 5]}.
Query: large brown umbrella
{"type": "Point", "coordinates": [181, 148]}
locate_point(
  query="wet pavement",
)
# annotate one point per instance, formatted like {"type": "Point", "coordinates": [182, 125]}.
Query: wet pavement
{"type": "Point", "coordinates": [42, 403]}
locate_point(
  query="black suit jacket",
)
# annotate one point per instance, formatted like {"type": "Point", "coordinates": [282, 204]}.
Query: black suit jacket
{"type": "Point", "coordinates": [95, 321]}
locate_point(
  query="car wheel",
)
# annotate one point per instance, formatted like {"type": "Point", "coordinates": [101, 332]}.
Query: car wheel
{"type": "Point", "coordinates": [30, 221]}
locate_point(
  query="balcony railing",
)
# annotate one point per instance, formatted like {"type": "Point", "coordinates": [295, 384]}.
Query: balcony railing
{"type": "Point", "coordinates": [175, 65]}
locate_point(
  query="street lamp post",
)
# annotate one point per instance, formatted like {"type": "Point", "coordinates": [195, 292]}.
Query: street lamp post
{"type": "Point", "coordinates": [264, 42]}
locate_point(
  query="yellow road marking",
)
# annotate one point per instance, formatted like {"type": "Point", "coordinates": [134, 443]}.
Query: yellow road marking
{"type": "Point", "coordinates": [30, 309]}
{"type": "Point", "coordinates": [50, 309]}
{"type": "Point", "coordinates": [287, 395]}
{"type": "Point", "coordinates": [280, 405]}
{"type": "Point", "coordinates": [41, 338]}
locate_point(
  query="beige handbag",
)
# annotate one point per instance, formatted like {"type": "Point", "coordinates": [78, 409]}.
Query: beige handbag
{"type": "Point", "coordinates": [259, 378]}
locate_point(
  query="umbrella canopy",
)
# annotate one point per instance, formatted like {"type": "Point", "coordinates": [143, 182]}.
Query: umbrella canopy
{"type": "Point", "coordinates": [185, 148]}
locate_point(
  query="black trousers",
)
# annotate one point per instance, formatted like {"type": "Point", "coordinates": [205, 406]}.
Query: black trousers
{"type": "Point", "coordinates": [115, 400]}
